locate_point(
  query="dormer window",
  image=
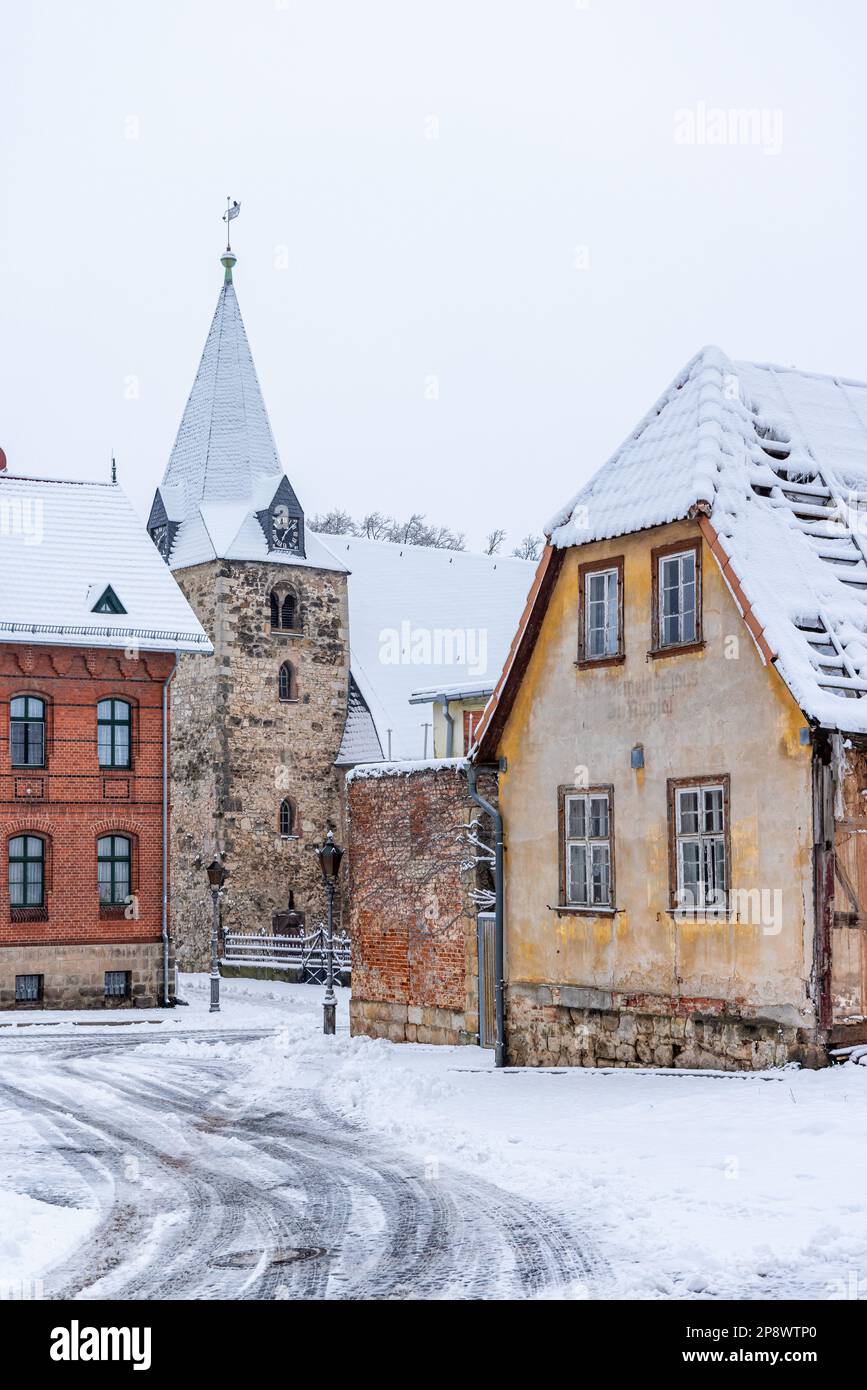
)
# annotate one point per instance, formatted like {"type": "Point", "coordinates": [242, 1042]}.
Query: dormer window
{"type": "Point", "coordinates": [285, 529]}
{"type": "Point", "coordinates": [108, 602]}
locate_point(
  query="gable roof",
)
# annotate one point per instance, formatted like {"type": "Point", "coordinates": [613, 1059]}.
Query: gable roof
{"type": "Point", "coordinates": [63, 545]}
{"type": "Point", "coordinates": [419, 617]}
{"type": "Point", "coordinates": [774, 463]}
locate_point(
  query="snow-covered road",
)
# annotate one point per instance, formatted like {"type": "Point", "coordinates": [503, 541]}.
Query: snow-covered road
{"type": "Point", "coordinates": [197, 1192]}
{"type": "Point", "coordinates": [242, 1155]}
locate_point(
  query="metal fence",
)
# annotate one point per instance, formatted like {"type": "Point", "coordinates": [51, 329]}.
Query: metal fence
{"type": "Point", "coordinates": [305, 953]}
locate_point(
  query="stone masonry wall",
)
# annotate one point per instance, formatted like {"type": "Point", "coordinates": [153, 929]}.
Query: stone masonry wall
{"type": "Point", "coordinates": [413, 926]}
{"type": "Point", "coordinates": [74, 976]}
{"type": "Point", "coordinates": [571, 1025]}
{"type": "Point", "coordinates": [239, 750]}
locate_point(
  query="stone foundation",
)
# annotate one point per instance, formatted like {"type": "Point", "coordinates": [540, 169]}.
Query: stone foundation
{"type": "Point", "coordinates": [74, 976]}
{"type": "Point", "coordinates": [412, 1023]}
{"type": "Point", "coordinates": [575, 1026]}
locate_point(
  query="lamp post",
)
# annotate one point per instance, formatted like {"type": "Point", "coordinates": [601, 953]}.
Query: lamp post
{"type": "Point", "coordinates": [329, 855]}
{"type": "Point", "coordinates": [217, 875]}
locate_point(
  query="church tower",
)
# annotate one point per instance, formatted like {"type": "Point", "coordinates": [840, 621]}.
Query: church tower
{"type": "Point", "coordinates": [256, 727]}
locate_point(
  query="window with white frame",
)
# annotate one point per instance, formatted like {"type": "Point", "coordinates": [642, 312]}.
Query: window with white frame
{"type": "Point", "coordinates": [700, 846]}
{"type": "Point", "coordinates": [587, 862]}
{"type": "Point", "coordinates": [601, 614]}
{"type": "Point", "coordinates": [678, 599]}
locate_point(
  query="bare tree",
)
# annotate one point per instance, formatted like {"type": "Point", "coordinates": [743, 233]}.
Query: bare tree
{"type": "Point", "coordinates": [334, 523]}
{"type": "Point", "coordinates": [529, 549]}
{"type": "Point", "coordinates": [494, 540]}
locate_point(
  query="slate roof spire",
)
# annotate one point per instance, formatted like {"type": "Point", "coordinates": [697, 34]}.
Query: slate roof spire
{"type": "Point", "coordinates": [224, 494]}
{"type": "Point", "coordinates": [224, 445]}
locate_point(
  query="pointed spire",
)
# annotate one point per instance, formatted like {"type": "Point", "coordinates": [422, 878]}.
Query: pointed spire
{"type": "Point", "coordinates": [224, 446]}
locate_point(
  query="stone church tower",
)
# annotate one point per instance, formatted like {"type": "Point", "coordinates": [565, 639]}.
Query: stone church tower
{"type": "Point", "coordinates": [256, 728]}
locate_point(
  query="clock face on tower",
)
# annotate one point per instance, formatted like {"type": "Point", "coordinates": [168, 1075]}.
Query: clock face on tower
{"type": "Point", "coordinates": [160, 538]}
{"type": "Point", "coordinates": [285, 530]}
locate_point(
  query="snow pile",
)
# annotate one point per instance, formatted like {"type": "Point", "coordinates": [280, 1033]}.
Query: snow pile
{"type": "Point", "coordinates": [403, 769]}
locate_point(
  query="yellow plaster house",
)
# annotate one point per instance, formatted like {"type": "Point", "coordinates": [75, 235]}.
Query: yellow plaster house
{"type": "Point", "coordinates": [680, 731]}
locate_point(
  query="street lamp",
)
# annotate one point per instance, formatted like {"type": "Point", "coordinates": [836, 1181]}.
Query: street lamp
{"type": "Point", "coordinates": [329, 855]}
{"type": "Point", "coordinates": [217, 875]}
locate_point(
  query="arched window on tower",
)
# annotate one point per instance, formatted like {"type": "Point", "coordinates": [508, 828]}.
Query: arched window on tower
{"type": "Point", "coordinates": [287, 818]}
{"type": "Point", "coordinates": [283, 611]}
{"type": "Point", "coordinates": [287, 683]}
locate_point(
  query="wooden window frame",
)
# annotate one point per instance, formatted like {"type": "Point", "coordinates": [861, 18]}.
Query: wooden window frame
{"type": "Point", "coordinates": [111, 723]}
{"type": "Point", "coordinates": [597, 909]}
{"type": "Point", "coordinates": [113, 902]}
{"type": "Point", "coordinates": [25, 719]}
{"type": "Point", "coordinates": [657, 555]}
{"type": "Point", "coordinates": [615, 562]}
{"type": "Point", "coordinates": [673, 785]}
{"type": "Point", "coordinates": [23, 912]}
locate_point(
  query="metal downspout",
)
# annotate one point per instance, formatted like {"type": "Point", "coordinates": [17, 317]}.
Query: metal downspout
{"type": "Point", "coordinates": [450, 726]}
{"type": "Point", "coordinates": [499, 953]}
{"type": "Point", "coordinates": [164, 930]}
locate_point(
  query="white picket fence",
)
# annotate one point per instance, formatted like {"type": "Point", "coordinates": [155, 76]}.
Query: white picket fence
{"type": "Point", "coordinates": [305, 953]}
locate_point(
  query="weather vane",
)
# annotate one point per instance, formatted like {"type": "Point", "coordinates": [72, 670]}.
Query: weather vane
{"type": "Point", "coordinates": [232, 210]}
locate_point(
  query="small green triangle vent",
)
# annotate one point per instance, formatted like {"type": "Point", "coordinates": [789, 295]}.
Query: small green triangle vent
{"type": "Point", "coordinates": [108, 603]}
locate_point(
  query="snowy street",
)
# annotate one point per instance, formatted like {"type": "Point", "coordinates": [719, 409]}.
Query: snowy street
{"type": "Point", "coordinates": [242, 1155]}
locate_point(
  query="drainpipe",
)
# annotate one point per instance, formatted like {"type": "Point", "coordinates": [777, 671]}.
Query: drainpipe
{"type": "Point", "coordinates": [164, 930]}
{"type": "Point", "coordinates": [499, 954]}
{"type": "Point", "coordinates": [450, 726]}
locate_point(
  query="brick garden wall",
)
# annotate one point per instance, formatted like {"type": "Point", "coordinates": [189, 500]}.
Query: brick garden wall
{"type": "Point", "coordinates": [70, 803]}
{"type": "Point", "coordinates": [413, 926]}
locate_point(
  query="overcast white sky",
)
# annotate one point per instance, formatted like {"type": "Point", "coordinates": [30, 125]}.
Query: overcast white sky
{"type": "Point", "coordinates": [373, 257]}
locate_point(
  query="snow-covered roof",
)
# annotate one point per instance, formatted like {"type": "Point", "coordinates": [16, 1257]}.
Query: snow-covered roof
{"type": "Point", "coordinates": [360, 743]}
{"type": "Point", "coordinates": [224, 467]}
{"type": "Point", "coordinates": [61, 545]}
{"type": "Point", "coordinates": [777, 460]}
{"type": "Point", "coordinates": [420, 616]}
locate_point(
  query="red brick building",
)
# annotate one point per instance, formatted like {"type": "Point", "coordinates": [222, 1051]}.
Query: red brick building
{"type": "Point", "coordinates": [91, 624]}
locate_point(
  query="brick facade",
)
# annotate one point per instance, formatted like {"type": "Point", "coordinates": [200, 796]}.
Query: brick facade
{"type": "Point", "coordinates": [413, 925]}
{"type": "Point", "coordinates": [69, 803]}
{"type": "Point", "coordinates": [238, 750]}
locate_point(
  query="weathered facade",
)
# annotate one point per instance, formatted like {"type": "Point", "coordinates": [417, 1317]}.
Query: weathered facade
{"type": "Point", "coordinates": [412, 920]}
{"type": "Point", "coordinates": [684, 876]}
{"type": "Point", "coordinates": [643, 983]}
{"type": "Point", "coordinates": [241, 751]}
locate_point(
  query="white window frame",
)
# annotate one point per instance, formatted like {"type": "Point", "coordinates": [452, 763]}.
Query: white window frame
{"type": "Point", "coordinates": [706, 845]}
{"type": "Point", "coordinates": [610, 602]}
{"type": "Point", "coordinates": [596, 891]}
{"type": "Point", "coordinates": [678, 557]}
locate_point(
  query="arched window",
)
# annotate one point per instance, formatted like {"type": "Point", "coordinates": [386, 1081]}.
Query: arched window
{"type": "Point", "coordinates": [114, 868]}
{"type": "Point", "coordinates": [283, 611]}
{"type": "Point", "coordinates": [27, 871]}
{"type": "Point", "coordinates": [114, 726]}
{"type": "Point", "coordinates": [287, 819]}
{"type": "Point", "coordinates": [287, 682]}
{"type": "Point", "coordinates": [27, 731]}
